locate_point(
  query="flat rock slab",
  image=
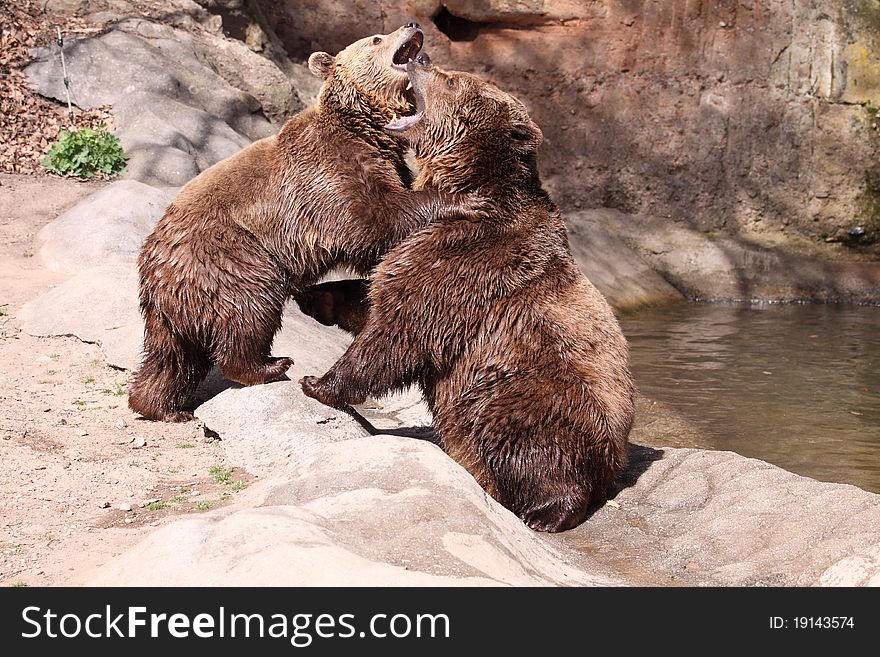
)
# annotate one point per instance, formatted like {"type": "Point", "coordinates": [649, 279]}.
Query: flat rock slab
{"type": "Point", "coordinates": [707, 518]}
{"type": "Point", "coordinates": [108, 226]}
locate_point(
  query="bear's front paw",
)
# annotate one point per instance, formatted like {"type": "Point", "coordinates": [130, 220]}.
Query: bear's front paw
{"type": "Point", "coordinates": [312, 387]}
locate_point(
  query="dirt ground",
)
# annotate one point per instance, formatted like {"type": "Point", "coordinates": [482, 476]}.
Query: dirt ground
{"type": "Point", "coordinates": [82, 477]}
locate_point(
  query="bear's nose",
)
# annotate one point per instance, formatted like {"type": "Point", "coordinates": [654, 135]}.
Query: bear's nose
{"type": "Point", "coordinates": [413, 24]}
{"type": "Point", "coordinates": [423, 59]}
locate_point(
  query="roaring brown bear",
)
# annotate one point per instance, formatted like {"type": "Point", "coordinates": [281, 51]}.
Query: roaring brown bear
{"type": "Point", "coordinates": [331, 189]}
{"type": "Point", "coordinates": [520, 358]}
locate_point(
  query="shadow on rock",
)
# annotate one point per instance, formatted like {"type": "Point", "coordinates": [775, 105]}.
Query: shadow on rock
{"type": "Point", "coordinates": [640, 459]}
{"type": "Point", "coordinates": [422, 432]}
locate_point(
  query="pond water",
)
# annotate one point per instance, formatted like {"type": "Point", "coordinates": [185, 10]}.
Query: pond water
{"type": "Point", "coordinates": [794, 385]}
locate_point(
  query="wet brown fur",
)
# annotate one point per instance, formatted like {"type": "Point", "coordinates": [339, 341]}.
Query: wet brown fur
{"type": "Point", "coordinates": [520, 358]}
{"type": "Point", "coordinates": [329, 190]}
{"type": "Point", "coordinates": [337, 303]}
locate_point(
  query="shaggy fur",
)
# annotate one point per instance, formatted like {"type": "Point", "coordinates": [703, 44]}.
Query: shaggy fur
{"type": "Point", "coordinates": [331, 189]}
{"type": "Point", "coordinates": [520, 358]}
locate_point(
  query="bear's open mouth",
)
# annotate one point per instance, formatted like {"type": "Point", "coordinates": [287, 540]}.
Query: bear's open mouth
{"type": "Point", "coordinates": [408, 51]}
{"type": "Point", "coordinates": [403, 123]}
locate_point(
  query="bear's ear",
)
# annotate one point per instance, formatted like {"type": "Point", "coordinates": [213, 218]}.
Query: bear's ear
{"type": "Point", "coordinates": [320, 64]}
{"type": "Point", "coordinates": [525, 135]}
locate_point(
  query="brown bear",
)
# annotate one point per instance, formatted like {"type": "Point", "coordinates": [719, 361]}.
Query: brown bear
{"type": "Point", "coordinates": [331, 189]}
{"type": "Point", "coordinates": [520, 358]}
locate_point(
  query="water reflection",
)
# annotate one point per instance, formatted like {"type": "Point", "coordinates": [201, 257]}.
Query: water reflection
{"type": "Point", "coordinates": [798, 386]}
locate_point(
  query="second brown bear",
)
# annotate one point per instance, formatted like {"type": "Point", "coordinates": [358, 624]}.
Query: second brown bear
{"type": "Point", "coordinates": [520, 358]}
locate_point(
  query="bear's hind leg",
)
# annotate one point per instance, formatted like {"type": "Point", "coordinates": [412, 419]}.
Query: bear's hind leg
{"type": "Point", "coordinates": [248, 372]}
{"type": "Point", "coordinates": [535, 471]}
{"type": "Point", "coordinates": [243, 355]}
{"type": "Point", "coordinates": [171, 371]}
{"type": "Point", "coordinates": [247, 302]}
{"type": "Point", "coordinates": [557, 513]}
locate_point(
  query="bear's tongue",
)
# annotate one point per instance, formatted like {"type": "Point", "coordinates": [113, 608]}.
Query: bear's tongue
{"type": "Point", "coordinates": [409, 50]}
{"type": "Point", "coordinates": [402, 123]}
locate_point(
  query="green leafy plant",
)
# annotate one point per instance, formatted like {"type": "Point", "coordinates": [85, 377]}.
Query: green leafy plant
{"type": "Point", "coordinates": [85, 152]}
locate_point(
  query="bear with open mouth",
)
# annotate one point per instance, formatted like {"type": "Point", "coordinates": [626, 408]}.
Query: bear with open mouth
{"type": "Point", "coordinates": [331, 189]}
{"type": "Point", "coordinates": [520, 358]}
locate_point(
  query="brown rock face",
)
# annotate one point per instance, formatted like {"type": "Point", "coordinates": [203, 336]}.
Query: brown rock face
{"type": "Point", "coordinates": [756, 117]}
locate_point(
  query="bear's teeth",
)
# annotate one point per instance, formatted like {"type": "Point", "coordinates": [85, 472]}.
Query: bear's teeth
{"type": "Point", "coordinates": [409, 86]}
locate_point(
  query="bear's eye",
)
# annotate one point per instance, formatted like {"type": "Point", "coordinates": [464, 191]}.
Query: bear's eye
{"type": "Point", "coordinates": [377, 41]}
{"type": "Point", "coordinates": [450, 83]}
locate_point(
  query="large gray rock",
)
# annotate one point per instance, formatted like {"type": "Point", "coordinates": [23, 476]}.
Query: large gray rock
{"type": "Point", "coordinates": [622, 276]}
{"type": "Point", "coordinates": [98, 305]}
{"type": "Point", "coordinates": [151, 126]}
{"type": "Point", "coordinates": [108, 226]}
{"type": "Point", "coordinates": [719, 268]}
{"type": "Point", "coordinates": [387, 510]}
{"type": "Point", "coordinates": [709, 518]}
{"type": "Point", "coordinates": [374, 511]}
{"type": "Point", "coordinates": [173, 110]}
{"type": "Point", "coordinates": [289, 421]}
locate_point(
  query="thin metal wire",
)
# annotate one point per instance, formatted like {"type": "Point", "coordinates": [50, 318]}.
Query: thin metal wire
{"type": "Point", "coordinates": [60, 43]}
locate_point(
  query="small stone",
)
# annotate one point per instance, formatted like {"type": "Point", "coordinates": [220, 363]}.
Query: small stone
{"type": "Point", "coordinates": [613, 504]}
{"type": "Point", "coordinates": [124, 507]}
{"type": "Point", "coordinates": [148, 502]}
{"type": "Point", "coordinates": [121, 423]}
{"type": "Point", "coordinates": [46, 409]}
{"type": "Point", "coordinates": [128, 521]}
{"type": "Point", "coordinates": [722, 24]}
{"type": "Point", "coordinates": [140, 442]}
{"type": "Point", "coordinates": [40, 467]}
{"type": "Point", "coordinates": [104, 505]}
{"type": "Point", "coordinates": [44, 359]}
{"type": "Point", "coordinates": [82, 432]}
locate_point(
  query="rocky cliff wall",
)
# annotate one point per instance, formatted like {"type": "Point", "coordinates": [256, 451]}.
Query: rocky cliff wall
{"type": "Point", "coordinates": [757, 117]}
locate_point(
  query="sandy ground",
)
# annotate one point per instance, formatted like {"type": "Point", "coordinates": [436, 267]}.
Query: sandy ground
{"type": "Point", "coordinates": [82, 477]}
